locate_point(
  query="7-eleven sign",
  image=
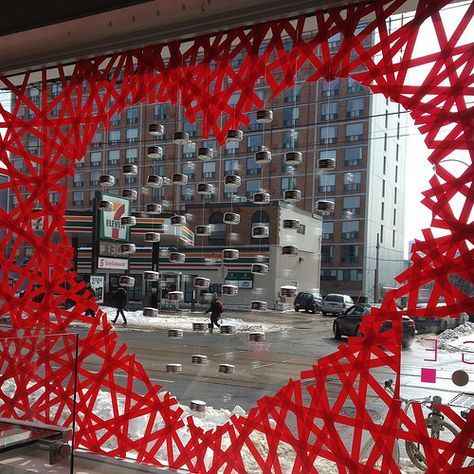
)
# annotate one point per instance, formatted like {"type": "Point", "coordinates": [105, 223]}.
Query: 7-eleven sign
{"type": "Point", "coordinates": [110, 226]}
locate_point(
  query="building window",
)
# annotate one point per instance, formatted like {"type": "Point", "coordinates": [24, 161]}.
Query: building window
{"type": "Point", "coordinates": [289, 139]}
{"type": "Point", "coordinates": [354, 131]}
{"type": "Point", "coordinates": [254, 125]}
{"type": "Point", "coordinates": [327, 182]}
{"type": "Point", "coordinates": [79, 163]}
{"type": "Point", "coordinates": [349, 253]}
{"type": "Point", "coordinates": [395, 196]}
{"type": "Point", "coordinates": [381, 234]}
{"type": "Point", "coordinates": [189, 149]}
{"type": "Point", "coordinates": [288, 183]}
{"type": "Point", "coordinates": [232, 147]}
{"type": "Point", "coordinates": [301, 229]}
{"type": "Point", "coordinates": [160, 112]}
{"type": "Point", "coordinates": [396, 174]}
{"type": "Point", "coordinates": [328, 134]}
{"type": "Point", "coordinates": [329, 110]}
{"type": "Point", "coordinates": [394, 217]}
{"type": "Point", "coordinates": [116, 175]}
{"type": "Point", "coordinates": [326, 254]}
{"type": "Point", "coordinates": [114, 137]}
{"type": "Point", "coordinates": [131, 155]}
{"type": "Point", "coordinates": [354, 86]}
{"type": "Point", "coordinates": [351, 205]}
{"type": "Point", "coordinates": [352, 181]}
{"type": "Point", "coordinates": [330, 88]}
{"type": "Point", "coordinates": [292, 94]}
{"type": "Point", "coordinates": [352, 156]}
{"type": "Point", "coordinates": [291, 116]}
{"type": "Point", "coordinates": [217, 236]}
{"type": "Point", "coordinates": [382, 211]}
{"type": "Point", "coordinates": [393, 238]}
{"type": "Point", "coordinates": [209, 144]}
{"type": "Point", "coordinates": [78, 180]}
{"type": "Point", "coordinates": [229, 192]}
{"type": "Point", "coordinates": [189, 169]}
{"type": "Point", "coordinates": [384, 166]}
{"type": "Point", "coordinates": [252, 167]}
{"type": "Point", "coordinates": [133, 115]}
{"type": "Point", "coordinates": [252, 186]}
{"type": "Point", "coordinates": [355, 107]}
{"type": "Point", "coordinates": [187, 192]}
{"type": "Point", "coordinates": [231, 166]}
{"type": "Point", "coordinates": [96, 158]}
{"type": "Point", "coordinates": [78, 198]}
{"type": "Point", "coordinates": [115, 119]}
{"type": "Point", "coordinates": [350, 230]}
{"type": "Point", "coordinates": [132, 135]}
{"type": "Point", "coordinates": [238, 59]}
{"type": "Point", "coordinates": [159, 170]}
{"type": "Point", "coordinates": [383, 188]}
{"type": "Point", "coordinates": [334, 41]}
{"type": "Point", "coordinates": [328, 275]}
{"type": "Point", "coordinates": [209, 169]}
{"type": "Point", "coordinates": [328, 230]}
{"type": "Point", "coordinates": [288, 44]}
{"type": "Point", "coordinates": [350, 275]}
{"type": "Point", "coordinates": [94, 178]}
{"type": "Point", "coordinates": [54, 198]}
{"type": "Point", "coordinates": [254, 142]}
{"type": "Point", "coordinates": [114, 157]}
{"type": "Point", "coordinates": [34, 94]}
{"type": "Point", "coordinates": [190, 128]}
{"type": "Point", "coordinates": [328, 154]}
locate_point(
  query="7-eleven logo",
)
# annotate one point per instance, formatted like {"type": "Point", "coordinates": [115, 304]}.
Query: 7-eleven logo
{"type": "Point", "coordinates": [119, 212]}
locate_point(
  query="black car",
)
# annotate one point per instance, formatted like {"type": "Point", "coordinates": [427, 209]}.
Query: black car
{"type": "Point", "coordinates": [347, 324]}
{"type": "Point", "coordinates": [310, 301]}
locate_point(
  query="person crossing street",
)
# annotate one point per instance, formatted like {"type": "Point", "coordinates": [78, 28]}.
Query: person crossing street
{"type": "Point", "coordinates": [120, 299]}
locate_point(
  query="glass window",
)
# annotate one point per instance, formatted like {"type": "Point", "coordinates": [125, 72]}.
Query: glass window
{"type": "Point", "coordinates": [355, 107]}
{"type": "Point", "coordinates": [328, 274]}
{"type": "Point", "coordinates": [231, 166]}
{"type": "Point", "coordinates": [334, 41]}
{"type": "Point", "coordinates": [354, 86]}
{"type": "Point", "coordinates": [234, 98]}
{"type": "Point", "coordinates": [289, 139]}
{"type": "Point", "coordinates": [190, 128]}
{"type": "Point", "coordinates": [209, 144]}
{"type": "Point", "coordinates": [252, 167]}
{"type": "Point", "coordinates": [354, 131]}
{"type": "Point", "coordinates": [132, 135]}
{"type": "Point", "coordinates": [327, 182]}
{"type": "Point", "coordinates": [288, 183]}
{"type": "Point", "coordinates": [350, 229]}
{"type": "Point", "coordinates": [131, 155]}
{"type": "Point", "coordinates": [78, 180]}
{"type": "Point", "coordinates": [97, 139]}
{"type": "Point", "coordinates": [254, 142]}
{"type": "Point", "coordinates": [352, 156]}
{"type": "Point", "coordinates": [94, 178]}
{"type": "Point", "coordinates": [187, 192]}
{"type": "Point", "coordinates": [326, 253]}
{"type": "Point", "coordinates": [209, 169]}
{"type": "Point", "coordinates": [254, 125]}
{"type": "Point", "coordinates": [218, 228]}
{"type": "Point", "coordinates": [229, 191]}
{"type": "Point", "coordinates": [351, 204]}
{"type": "Point", "coordinates": [252, 186]}
{"type": "Point", "coordinates": [188, 169]}
{"type": "Point", "coordinates": [328, 134]}
{"type": "Point", "coordinates": [288, 44]}
{"type": "Point", "coordinates": [292, 94]}
{"type": "Point", "coordinates": [328, 154]}
{"type": "Point", "coordinates": [78, 198]}
{"type": "Point", "coordinates": [114, 157]}
{"type": "Point", "coordinates": [115, 119]}
{"type": "Point", "coordinates": [114, 137]}
{"type": "Point", "coordinates": [352, 181]}
{"type": "Point", "coordinates": [349, 253]}
{"type": "Point", "coordinates": [330, 88]}
{"type": "Point", "coordinates": [329, 110]}
{"type": "Point", "coordinates": [328, 230]}
{"type": "Point", "coordinates": [96, 158]}
{"type": "Point", "coordinates": [189, 149]}
{"type": "Point", "coordinates": [159, 170]}
{"type": "Point", "coordinates": [232, 147]}
{"type": "Point", "coordinates": [133, 115]}
{"type": "Point", "coordinates": [291, 116]}
{"type": "Point", "coordinates": [116, 174]}
{"type": "Point", "coordinates": [160, 111]}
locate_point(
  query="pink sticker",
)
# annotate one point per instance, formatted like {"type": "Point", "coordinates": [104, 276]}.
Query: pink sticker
{"type": "Point", "coordinates": [428, 375]}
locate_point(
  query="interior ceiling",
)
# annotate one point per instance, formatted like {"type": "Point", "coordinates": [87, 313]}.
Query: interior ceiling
{"type": "Point", "coordinates": [36, 34]}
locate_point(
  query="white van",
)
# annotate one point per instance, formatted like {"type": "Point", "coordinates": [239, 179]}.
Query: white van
{"type": "Point", "coordinates": [336, 304]}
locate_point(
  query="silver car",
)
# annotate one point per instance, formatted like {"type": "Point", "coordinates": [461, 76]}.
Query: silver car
{"type": "Point", "coordinates": [336, 304]}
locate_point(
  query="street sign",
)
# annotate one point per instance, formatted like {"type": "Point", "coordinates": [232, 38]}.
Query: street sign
{"type": "Point", "coordinates": [110, 225]}
{"type": "Point", "coordinates": [106, 263]}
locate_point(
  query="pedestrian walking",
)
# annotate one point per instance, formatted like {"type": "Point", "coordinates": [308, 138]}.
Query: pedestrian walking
{"type": "Point", "coordinates": [91, 293]}
{"type": "Point", "coordinates": [216, 308]}
{"type": "Point", "coordinates": [120, 299]}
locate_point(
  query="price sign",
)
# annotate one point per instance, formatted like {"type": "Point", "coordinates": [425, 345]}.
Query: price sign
{"type": "Point", "coordinates": [109, 249]}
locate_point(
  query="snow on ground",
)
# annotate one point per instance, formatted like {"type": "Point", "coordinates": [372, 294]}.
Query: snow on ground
{"type": "Point", "coordinates": [456, 339]}
{"type": "Point", "coordinates": [184, 321]}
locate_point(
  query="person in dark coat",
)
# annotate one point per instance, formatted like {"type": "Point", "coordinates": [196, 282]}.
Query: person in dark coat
{"type": "Point", "coordinates": [215, 308]}
{"type": "Point", "coordinates": [120, 298]}
{"type": "Point", "coordinates": [91, 293]}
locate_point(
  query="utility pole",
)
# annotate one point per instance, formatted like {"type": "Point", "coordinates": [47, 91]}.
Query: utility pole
{"type": "Point", "coordinates": [376, 277]}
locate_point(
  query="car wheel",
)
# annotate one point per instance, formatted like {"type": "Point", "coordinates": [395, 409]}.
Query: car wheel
{"type": "Point", "coordinates": [306, 310]}
{"type": "Point", "coordinates": [337, 332]}
{"type": "Point", "coordinates": [324, 313]}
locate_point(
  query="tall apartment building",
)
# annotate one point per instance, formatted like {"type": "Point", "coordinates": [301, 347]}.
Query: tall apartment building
{"type": "Point", "coordinates": [363, 132]}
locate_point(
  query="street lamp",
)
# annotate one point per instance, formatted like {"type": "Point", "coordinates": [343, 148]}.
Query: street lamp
{"type": "Point", "coordinates": [454, 160]}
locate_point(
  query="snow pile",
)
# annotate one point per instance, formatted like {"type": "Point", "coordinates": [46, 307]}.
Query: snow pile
{"type": "Point", "coordinates": [455, 339]}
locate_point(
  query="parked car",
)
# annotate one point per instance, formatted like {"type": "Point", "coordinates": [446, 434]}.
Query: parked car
{"type": "Point", "coordinates": [336, 304]}
{"type": "Point", "coordinates": [437, 325]}
{"type": "Point", "coordinates": [347, 324]}
{"type": "Point", "coordinates": [310, 301]}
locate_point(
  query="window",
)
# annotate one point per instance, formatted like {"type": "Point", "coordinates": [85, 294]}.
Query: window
{"type": "Point", "coordinates": [355, 107]}
{"type": "Point", "coordinates": [190, 128]}
{"type": "Point", "coordinates": [394, 217]}
{"type": "Point", "coordinates": [232, 147]}
{"type": "Point", "coordinates": [396, 174]}
{"type": "Point", "coordinates": [159, 170]}
{"type": "Point", "coordinates": [189, 149]}
{"type": "Point", "coordinates": [349, 253]}
{"type": "Point", "coordinates": [252, 167]}
{"type": "Point", "coordinates": [290, 139]}
{"type": "Point", "coordinates": [78, 180]}
{"type": "Point", "coordinates": [115, 119]}
{"type": "Point", "coordinates": [132, 135]}
{"type": "Point", "coordinates": [116, 175]}
{"type": "Point", "coordinates": [231, 166]}
{"type": "Point", "coordinates": [238, 58]}
{"type": "Point", "coordinates": [217, 236]}
{"type": "Point", "coordinates": [393, 238]}
{"type": "Point", "coordinates": [352, 181]}
{"type": "Point", "coordinates": [252, 186]}
{"type": "Point", "coordinates": [354, 131]}
{"type": "Point", "coordinates": [384, 167]}
{"type": "Point", "coordinates": [327, 154]}
{"type": "Point", "coordinates": [133, 115]}
{"type": "Point", "coordinates": [229, 191]}
{"type": "Point", "coordinates": [288, 183]}
{"type": "Point", "coordinates": [114, 137]}
{"type": "Point", "coordinates": [382, 211]}
{"type": "Point", "coordinates": [34, 94]}
{"type": "Point", "coordinates": [328, 275]}
{"type": "Point", "coordinates": [383, 188]}
{"type": "Point", "coordinates": [33, 146]}
{"type": "Point", "coordinates": [56, 111]}
{"type": "Point", "coordinates": [260, 218]}
{"type": "Point", "coordinates": [395, 195]}
{"type": "Point", "coordinates": [328, 134]}
{"type": "Point", "coordinates": [381, 234]}
{"type": "Point", "coordinates": [209, 169]}
{"type": "Point", "coordinates": [334, 42]}
{"type": "Point", "coordinates": [209, 144]}
{"type": "Point", "coordinates": [350, 275]}
{"type": "Point", "coordinates": [188, 169]}
{"type": "Point", "coordinates": [288, 44]}
{"type": "Point", "coordinates": [327, 182]}
{"type": "Point", "coordinates": [254, 142]}
{"type": "Point", "coordinates": [160, 112]}
{"type": "Point", "coordinates": [330, 88]}
{"type": "Point", "coordinates": [234, 99]}
{"type": "Point", "coordinates": [54, 197]}
{"type": "Point", "coordinates": [292, 94]}
{"type": "Point", "coordinates": [301, 229]}
{"type": "Point", "coordinates": [78, 198]}
{"type": "Point", "coordinates": [291, 116]}
{"type": "Point", "coordinates": [326, 253]}
{"type": "Point", "coordinates": [354, 86]}
{"type": "Point", "coordinates": [329, 110]}
{"type": "Point", "coordinates": [350, 230]}
{"type": "Point", "coordinates": [131, 155]}
{"type": "Point", "coordinates": [187, 192]}
{"type": "Point", "coordinates": [352, 156]}
{"type": "Point", "coordinates": [96, 158]}
{"type": "Point", "coordinates": [254, 125]}
{"type": "Point", "coordinates": [94, 178]}
{"type": "Point", "coordinates": [328, 230]}
{"type": "Point", "coordinates": [158, 194]}
{"type": "Point", "coordinates": [351, 204]}
{"type": "Point", "coordinates": [114, 157]}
